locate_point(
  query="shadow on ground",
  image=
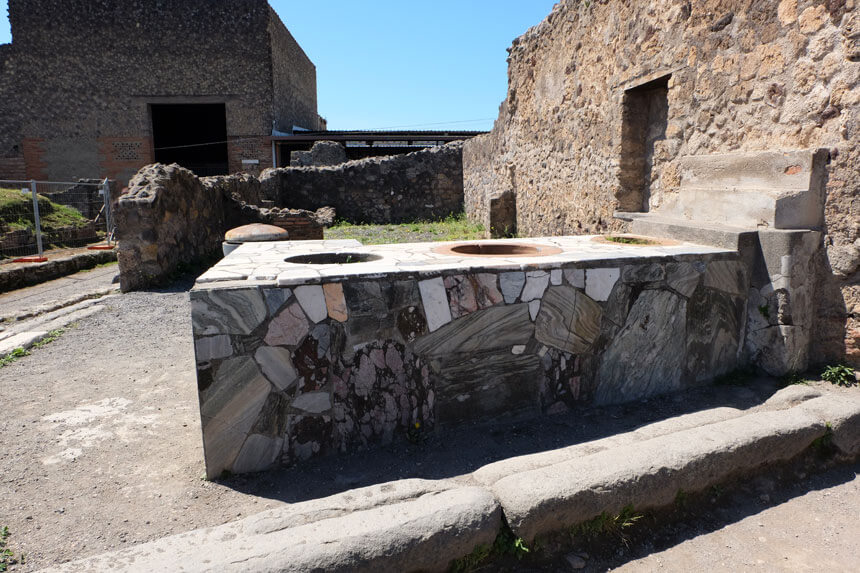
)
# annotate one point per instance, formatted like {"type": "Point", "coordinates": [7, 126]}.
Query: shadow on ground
{"type": "Point", "coordinates": [456, 452]}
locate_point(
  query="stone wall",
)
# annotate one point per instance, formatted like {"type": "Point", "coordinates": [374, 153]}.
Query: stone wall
{"type": "Point", "coordinates": [708, 77]}
{"type": "Point", "coordinates": [425, 184]}
{"type": "Point", "coordinates": [79, 78]}
{"type": "Point", "coordinates": [168, 218]}
{"type": "Point", "coordinates": [322, 153]}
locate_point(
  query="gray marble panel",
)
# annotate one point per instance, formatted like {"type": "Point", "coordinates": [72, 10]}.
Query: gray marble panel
{"type": "Point", "coordinates": [714, 323]}
{"type": "Point", "coordinates": [492, 328]}
{"type": "Point", "coordinates": [647, 356]}
{"type": "Point", "coordinates": [568, 320]}
{"type": "Point", "coordinates": [727, 276]}
{"type": "Point", "coordinates": [234, 311]}
{"type": "Point", "coordinates": [473, 386]}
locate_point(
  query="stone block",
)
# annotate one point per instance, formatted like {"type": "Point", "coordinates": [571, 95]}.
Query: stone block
{"type": "Point", "coordinates": [650, 473]}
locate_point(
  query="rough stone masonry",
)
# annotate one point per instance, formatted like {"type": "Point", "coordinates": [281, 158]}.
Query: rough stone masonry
{"type": "Point", "coordinates": [606, 97]}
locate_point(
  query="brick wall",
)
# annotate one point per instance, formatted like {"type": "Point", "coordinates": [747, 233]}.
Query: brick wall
{"type": "Point", "coordinates": [14, 168]}
{"type": "Point", "coordinates": [79, 77]}
{"type": "Point", "coordinates": [249, 148]}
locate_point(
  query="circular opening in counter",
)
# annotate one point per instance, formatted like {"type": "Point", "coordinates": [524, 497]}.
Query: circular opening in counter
{"type": "Point", "coordinates": [332, 258]}
{"type": "Point", "coordinates": [634, 240]}
{"type": "Point", "coordinates": [498, 250]}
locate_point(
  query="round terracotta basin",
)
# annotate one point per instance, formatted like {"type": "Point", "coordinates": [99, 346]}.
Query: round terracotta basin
{"type": "Point", "coordinates": [255, 232]}
{"type": "Point", "coordinates": [493, 249]}
{"type": "Point", "coordinates": [332, 258]}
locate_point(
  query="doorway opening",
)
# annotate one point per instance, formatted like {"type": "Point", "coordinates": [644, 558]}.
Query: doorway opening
{"type": "Point", "coordinates": [644, 117]}
{"type": "Point", "coordinates": [192, 135]}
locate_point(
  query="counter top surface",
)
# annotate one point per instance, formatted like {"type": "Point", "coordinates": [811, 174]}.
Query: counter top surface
{"type": "Point", "coordinates": [264, 262]}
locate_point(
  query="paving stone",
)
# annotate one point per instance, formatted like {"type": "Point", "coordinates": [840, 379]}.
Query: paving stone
{"type": "Point", "coordinates": [335, 302]}
{"type": "Point", "coordinates": [435, 302]}
{"type": "Point", "coordinates": [313, 402]}
{"type": "Point", "coordinates": [277, 365]}
{"type": "Point", "coordinates": [575, 277]}
{"type": "Point", "coordinates": [536, 283]}
{"type": "Point", "coordinates": [511, 285]}
{"type": "Point", "coordinates": [313, 301]}
{"type": "Point", "coordinates": [555, 277]}
{"type": "Point", "coordinates": [407, 525]}
{"type": "Point", "coordinates": [599, 282]}
{"type": "Point", "coordinates": [212, 347]}
{"type": "Point", "coordinates": [650, 473]}
{"type": "Point", "coordinates": [288, 328]}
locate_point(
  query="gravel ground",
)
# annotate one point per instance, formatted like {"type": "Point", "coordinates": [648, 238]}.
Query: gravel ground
{"type": "Point", "coordinates": [101, 448]}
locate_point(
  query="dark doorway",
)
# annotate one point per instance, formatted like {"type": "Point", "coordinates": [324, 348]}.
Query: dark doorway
{"type": "Point", "coordinates": [192, 135]}
{"type": "Point", "coordinates": [643, 122]}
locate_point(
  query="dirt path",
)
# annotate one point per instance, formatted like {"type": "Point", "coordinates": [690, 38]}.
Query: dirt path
{"type": "Point", "coordinates": [101, 443]}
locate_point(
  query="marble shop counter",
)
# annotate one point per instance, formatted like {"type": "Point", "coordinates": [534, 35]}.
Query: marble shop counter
{"type": "Point", "coordinates": [307, 348]}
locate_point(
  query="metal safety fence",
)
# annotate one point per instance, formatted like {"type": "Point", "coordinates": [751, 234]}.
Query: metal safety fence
{"type": "Point", "coordinates": [37, 216]}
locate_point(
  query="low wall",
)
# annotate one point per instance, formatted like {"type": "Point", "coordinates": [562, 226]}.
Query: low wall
{"type": "Point", "coordinates": [426, 184]}
{"type": "Point", "coordinates": [168, 218]}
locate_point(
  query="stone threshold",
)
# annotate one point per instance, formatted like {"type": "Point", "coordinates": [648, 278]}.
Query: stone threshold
{"type": "Point", "coordinates": [422, 525]}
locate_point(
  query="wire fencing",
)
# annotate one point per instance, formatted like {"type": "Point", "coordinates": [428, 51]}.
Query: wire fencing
{"type": "Point", "coordinates": [36, 216]}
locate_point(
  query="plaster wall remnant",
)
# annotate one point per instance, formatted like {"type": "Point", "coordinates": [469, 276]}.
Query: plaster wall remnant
{"type": "Point", "coordinates": [82, 82]}
{"type": "Point", "coordinates": [740, 78]}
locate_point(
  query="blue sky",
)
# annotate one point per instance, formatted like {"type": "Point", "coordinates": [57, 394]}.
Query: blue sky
{"type": "Point", "coordinates": [410, 64]}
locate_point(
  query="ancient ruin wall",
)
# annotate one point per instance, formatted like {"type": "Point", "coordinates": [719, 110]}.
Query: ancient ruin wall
{"type": "Point", "coordinates": [425, 184]}
{"type": "Point", "coordinates": [738, 76]}
{"type": "Point", "coordinates": [169, 218]}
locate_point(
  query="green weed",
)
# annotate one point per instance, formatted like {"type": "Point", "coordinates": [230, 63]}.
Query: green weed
{"type": "Point", "coordinates": [22, 352]}
{"type": "Point", "coordinates": [7, 556]}
{"type": "Point", "coordinates": [840, 375]}
{"type": "Point", "coordinates": [506, 543]}
{"type": "Point", "coordinates": [608, 524]}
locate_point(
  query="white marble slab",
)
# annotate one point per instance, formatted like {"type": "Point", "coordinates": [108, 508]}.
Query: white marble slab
{"type": "Point", "coordinates": [264, 263]}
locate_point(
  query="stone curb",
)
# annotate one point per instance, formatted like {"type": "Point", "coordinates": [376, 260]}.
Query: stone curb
{"type": "Point", "coordinates": [649, 474]}
{"type": "Point", "coordinates": [422, 525]}
{"type": "Point", "coordinates": [40, 327]}
{"type": "Point", "coordinates": [407, 525]}
{"type": "Point", "coordinates": [42, 272]}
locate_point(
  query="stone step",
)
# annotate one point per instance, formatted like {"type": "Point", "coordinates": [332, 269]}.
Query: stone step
{"type": "Point", "coordinates": [700, 232]}
{"type": "Point", "coordinates": [779, 190]}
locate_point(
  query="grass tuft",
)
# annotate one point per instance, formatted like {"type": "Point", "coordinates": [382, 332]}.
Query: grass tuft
{"type": "Point", "coordinates": [451, 228]}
